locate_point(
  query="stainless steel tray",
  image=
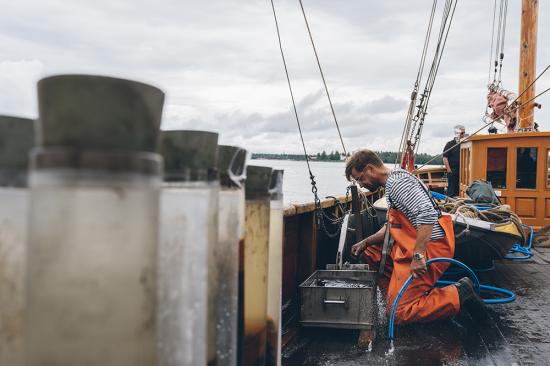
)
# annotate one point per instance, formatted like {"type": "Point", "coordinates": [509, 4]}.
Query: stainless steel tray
{"type": "Point", "coordinates": [339, 299]}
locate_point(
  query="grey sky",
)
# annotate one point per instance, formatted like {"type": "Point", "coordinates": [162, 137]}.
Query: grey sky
{"type": "Point", "coordinates": [219, 64]}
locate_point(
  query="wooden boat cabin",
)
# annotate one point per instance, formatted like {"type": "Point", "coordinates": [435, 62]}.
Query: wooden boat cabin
{"type": "Point", "coordinates": [518, 167]}
{"type": "Point", "coordinates": [516, 163]}
{"type": "Point", "coordinates": [433, 177]}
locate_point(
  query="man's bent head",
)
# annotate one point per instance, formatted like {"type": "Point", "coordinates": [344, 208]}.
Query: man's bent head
{"type": "Point", "coordinates": [366, 168]}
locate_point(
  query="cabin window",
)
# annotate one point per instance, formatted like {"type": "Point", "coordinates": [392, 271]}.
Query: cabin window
{"type": "Point", "coordinates": [496, 166]}
{"type": "Point", "coordinates": [526, 167]}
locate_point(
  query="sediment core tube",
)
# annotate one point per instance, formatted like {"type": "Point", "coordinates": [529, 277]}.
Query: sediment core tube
{"type": "Point", "coordinates": [256, 264]}
{"type": "Point", "coordinates": [93, 235]}
{"type": "Point", "coordinates": [189, 233]}
{"type": "Point", "coordinates": [15, 144]}
{"type": "Point", "coordinates": [273, 351]}
{"type": "Point", "coordinates": [231, 165]}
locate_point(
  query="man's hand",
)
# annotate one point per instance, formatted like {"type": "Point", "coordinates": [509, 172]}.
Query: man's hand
{"type": "Point", "coordinates": [418, 267]}
{"type": "Point", "coordinates": [375, 238]}
{"type": "Point", "coordinates": [358, 248]}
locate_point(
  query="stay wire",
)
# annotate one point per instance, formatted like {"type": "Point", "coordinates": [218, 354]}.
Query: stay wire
{"type": "Point", "coordinates": [290, 89]}
{"type": "Point", "coordinates": [323, 77]}
{"type": "Point", "coordinates": [318, 209]}
{"type": "Point", "coordinates": [426, 43]}
{"type": "Point", "coordinates": [445, 31]}
{"type": "Point", "coordinates": [533, 82]}
{"type": "Point", "coordinates": [497, 49]}
{"type": "Point", "coordinates": [535, 97]}
{"type": "Point", "coordinates": [414, 94]}
{"type": "Point", "coordinates": [490, 122]}
{"type": "Point", "coordinates": [425, 94]}
{"type": "Point", "coordinates": [492, 43]}
{"type": "Point", "coordinates": [503, 37]}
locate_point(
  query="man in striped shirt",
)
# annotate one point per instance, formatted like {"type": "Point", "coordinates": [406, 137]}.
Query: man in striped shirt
{"type": "Point", "coordinates": [420, 232]}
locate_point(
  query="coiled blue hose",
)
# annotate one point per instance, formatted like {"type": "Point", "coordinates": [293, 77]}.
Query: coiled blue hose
{"type": "Point", "coordinates": [524, 251]}
{"type": "Point", "coordinates": [478, 288]}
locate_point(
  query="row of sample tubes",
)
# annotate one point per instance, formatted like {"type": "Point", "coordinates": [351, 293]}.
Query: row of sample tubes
{"type": "Point", "coordinates": [121, 244]}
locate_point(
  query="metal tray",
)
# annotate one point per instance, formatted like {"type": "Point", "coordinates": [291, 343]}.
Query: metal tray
{"type": "Point", "coordinates": [349, 306]}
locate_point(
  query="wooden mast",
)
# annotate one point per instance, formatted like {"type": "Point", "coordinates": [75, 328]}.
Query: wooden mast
{"type": "Point", "coordinates": [528, 61]}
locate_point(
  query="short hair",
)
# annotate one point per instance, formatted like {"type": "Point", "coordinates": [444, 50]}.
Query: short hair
{"type": "Point", "coordinates": [459, 127]}
{"type": "Point", "coordinates": [360, 159]}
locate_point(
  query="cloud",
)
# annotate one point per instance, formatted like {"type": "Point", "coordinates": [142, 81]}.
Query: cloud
{"type": "Point", "coordinates": [17, 87]}
{"type": "Point", "coordinates": [220, 65]}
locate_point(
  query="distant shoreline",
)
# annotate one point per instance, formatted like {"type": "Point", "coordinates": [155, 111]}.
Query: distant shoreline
{"type": "Point", "coordinates": [387, 157]}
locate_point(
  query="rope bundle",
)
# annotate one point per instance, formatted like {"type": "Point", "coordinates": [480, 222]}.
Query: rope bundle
{"type": "Point", "coordinates": [497, 214]}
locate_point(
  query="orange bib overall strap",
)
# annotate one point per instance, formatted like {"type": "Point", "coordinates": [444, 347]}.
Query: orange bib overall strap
{"type": "Point", "coordinates": [422, 301]}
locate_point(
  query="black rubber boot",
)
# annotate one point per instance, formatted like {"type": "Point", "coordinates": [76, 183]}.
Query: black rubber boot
{"type": "Point", "coordinates": [469, 299]}
{"type": "Point", "coordinates": [465, 288]}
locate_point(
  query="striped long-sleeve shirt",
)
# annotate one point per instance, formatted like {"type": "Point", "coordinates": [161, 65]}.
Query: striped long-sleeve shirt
{"type": "Point", "coordinates": [405, 193]}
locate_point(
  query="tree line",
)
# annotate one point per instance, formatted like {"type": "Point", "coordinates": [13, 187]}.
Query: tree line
{"type": "Point", "coordinates": [387, 157]}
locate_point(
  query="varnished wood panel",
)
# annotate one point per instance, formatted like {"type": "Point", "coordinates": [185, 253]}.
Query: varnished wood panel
{"type": "Point", "coordinates": [530, 204]}
{"type": "Point", "coordinates": [526, 207]}
{"type": "Point", "coordinates": [290, 257]}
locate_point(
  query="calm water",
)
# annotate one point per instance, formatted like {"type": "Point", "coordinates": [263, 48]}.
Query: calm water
{"type": "Point", "coordinates": [296, 184]}
{"type": "Point", "coordinates": [329, 176]}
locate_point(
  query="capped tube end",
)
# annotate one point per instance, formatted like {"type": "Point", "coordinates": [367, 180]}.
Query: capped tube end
{"type": "Point", "coordinates": [16, 141]}
{"type": "Point", "coordinates": [189, 155]}
{"type": "Point", "coordinates": [231, 165]}
{"type": "Point", "coordinates": [258, 179]}
{"type": "Point", "coordinates": [90, 112]}
{"type": "Point", "coordinates": [276, 184]}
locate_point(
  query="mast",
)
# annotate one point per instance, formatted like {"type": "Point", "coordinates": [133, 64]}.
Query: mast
{"type": "Point", "coordinates": [527, 61]}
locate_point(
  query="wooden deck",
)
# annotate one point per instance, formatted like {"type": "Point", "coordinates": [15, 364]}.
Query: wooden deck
{"type": "Point", "coordinates": [506, 334]}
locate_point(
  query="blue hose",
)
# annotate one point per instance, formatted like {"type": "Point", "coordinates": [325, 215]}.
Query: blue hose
{"type": "Point", "coordinates": [478, 288]}
{"type": "Point", "coordinates": [511, 296]}
{"type": "Point", "coordinates": [525, 252]}
{"type": "Point", "coordinates": [438, 196]}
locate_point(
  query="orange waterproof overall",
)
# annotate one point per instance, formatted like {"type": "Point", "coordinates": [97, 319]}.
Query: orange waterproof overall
{"type": "Point", "coordinates": [422, 301]}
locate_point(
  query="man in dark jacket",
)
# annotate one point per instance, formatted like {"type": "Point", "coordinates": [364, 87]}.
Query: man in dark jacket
{"type": "Point", "coordinates": [451, 159]}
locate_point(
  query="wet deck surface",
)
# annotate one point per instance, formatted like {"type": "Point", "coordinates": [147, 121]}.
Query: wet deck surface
{"type": "Point", "coordinates": [517, 333]}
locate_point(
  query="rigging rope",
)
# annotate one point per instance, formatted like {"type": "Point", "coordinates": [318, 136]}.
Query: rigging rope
{"type": "Point", "coordinates": [323, 77]}
{"type": "Point", "coordinates": [501, 56]}
{"type": "Point", "coordinates": [535, 97]}
{"type": "Point", "coordinates": [497, 214]}
{"type": "Point", "coordinates": [500, 32]}
{"type": "Point", "coordinates": [321, 215]}
{"type": "Point", "coordinates": [414, 94]}
{"type": "Point", "coordinates": [290, 88]}
{"type": "Point", "coordinates": [446, 21]}
{"type": "Point", "coordinates": [492, 42]}
{"type": "Point", "coordinates": [490, 122]}
{"type": "Point", "coordinates": [497, 96]}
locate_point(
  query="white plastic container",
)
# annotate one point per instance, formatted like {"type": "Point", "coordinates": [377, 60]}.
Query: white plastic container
{"type": "Point", "coordinates": [256, 249]}
{"type": "Point", "coordinates": [93, 240]}
{"type": "Point", "coordinates": [189, 233]}
{"type": "Point", "coordinates": [231, 165]}
{"type": "Point", "coordinates": [15, 144]}
{"type": "Point", "coordinates": [275, 277]}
